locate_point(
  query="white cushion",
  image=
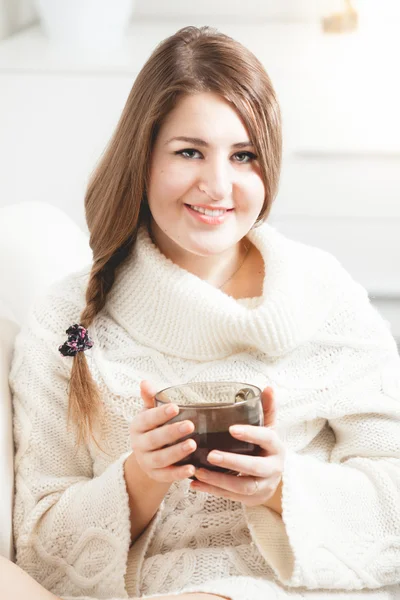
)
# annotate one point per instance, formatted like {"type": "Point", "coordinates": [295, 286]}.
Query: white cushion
{"type": "Point", "coordinates": [39, 244]}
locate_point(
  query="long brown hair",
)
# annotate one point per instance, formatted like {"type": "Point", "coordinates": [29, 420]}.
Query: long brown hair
{"type": "Point", "coordinates": [193, 60]}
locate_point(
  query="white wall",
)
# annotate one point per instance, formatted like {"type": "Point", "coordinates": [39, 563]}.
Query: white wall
{"type": "Point", "coordinates": [282, 10]}
{"type": "Point", "coordinates": [250, 10]}
{"type": "Point", "coordinates": [17, 14]}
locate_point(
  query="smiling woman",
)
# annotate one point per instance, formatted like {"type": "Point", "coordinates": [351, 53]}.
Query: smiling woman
{"type": "Point", "coordinates": [189, 283]}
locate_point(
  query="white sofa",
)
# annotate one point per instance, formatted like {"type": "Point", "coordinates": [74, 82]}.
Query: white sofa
{"type": "Point", "coordinates": [38, 245]}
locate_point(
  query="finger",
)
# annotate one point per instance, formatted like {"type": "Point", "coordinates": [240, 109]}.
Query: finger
{"type": "Point", "coordinates": [148, 391]}
{"type": "Point", "coordinates": [269, 406]}
{"type": "Point", "coordinates": [153, 417]}
{"type": "Point", "coordinates": [220, 493]}
{"type": "Point", "coordinates": [164, 436]}
{"type": "Point", "coordinates": [257, 466]}
{"type": "Point", "coordinates": [265, 437]}
{"type": "Point", "coordinates": [244, 486]}
{"type": "Point", "coordinates": [170, 474]}
{"type": "Point", "coordinates": [167, 457]}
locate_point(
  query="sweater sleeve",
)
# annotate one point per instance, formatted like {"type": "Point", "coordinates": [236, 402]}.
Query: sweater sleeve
{"type": "Point", "coordinates": [71, 529]}
{"type": "Point", "coordinates": [340, 525]}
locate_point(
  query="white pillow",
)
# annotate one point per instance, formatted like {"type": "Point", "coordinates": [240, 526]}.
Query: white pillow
{"type": "Point", "coordinates": [39, 244]}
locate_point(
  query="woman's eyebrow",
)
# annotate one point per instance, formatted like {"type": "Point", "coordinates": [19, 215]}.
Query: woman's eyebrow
{"type": "Point", "coordinates": [200, 142]}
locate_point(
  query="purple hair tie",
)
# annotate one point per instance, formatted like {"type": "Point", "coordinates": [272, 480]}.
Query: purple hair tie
{"type": "Point", "coordinates": [78, 341]}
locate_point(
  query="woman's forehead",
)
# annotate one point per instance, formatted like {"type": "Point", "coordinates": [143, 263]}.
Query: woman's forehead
{"type": "Point", "coordinates": [207, 117]}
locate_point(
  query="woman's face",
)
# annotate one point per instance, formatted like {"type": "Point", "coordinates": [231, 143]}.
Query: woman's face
{"type": "Point", "coordinates": [203, 160]}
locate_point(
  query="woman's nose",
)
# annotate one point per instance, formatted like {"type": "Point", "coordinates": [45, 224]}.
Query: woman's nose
{"type": "Point", "coordinates": [216, 181]}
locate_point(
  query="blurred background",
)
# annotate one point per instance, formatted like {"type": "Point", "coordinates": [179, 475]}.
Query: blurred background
{"type": "Point", "coordinates": [67, 66]}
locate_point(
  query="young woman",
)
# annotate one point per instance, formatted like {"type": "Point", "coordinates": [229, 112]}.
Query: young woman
{"type": "Point", "coordinates": [189, 282]}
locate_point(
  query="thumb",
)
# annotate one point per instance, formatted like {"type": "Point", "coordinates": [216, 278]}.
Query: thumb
{"type": "Point", "coordinates": [269, 407]}
{"type": "Point", "coordinates": [148, 391]}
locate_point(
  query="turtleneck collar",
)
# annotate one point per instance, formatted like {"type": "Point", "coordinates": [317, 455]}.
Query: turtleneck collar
{"type": "Point", "coordinates": [173, 311]}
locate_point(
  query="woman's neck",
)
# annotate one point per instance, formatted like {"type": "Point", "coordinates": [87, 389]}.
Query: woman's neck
{"type": "Point", "coordinates": [248, 281]}
{"type": "Point", "coordinates": [218, 270]}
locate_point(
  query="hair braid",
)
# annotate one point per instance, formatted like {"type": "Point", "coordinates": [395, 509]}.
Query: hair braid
{"type": "Point", "coordinates": [85, 406]}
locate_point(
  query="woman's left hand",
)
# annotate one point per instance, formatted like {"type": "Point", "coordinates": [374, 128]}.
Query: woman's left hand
{"type": "Point", "coordinates": [260, 476]}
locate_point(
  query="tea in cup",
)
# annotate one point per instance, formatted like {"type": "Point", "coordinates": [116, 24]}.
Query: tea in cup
{"type": "Point", "coordinates": [213, 407]}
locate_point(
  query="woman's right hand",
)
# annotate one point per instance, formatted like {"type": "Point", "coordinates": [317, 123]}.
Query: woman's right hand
{"type": "Point", "coordinates": [150, 433]}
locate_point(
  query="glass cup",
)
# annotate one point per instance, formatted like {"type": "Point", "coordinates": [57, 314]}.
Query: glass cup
{"type": "Point", "coordinates": [213, 407]}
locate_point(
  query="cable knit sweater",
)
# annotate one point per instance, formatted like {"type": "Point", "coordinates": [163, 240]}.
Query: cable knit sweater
{"type": "Point", "coordinates": [333, 364]}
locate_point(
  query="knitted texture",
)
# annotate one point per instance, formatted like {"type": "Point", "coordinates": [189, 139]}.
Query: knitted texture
{"type": "Point", "coordinates": [313, 337]}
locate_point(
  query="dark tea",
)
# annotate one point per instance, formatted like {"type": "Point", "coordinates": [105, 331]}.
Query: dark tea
{"type": "Point", "coordinates": [217, 440]}
{"type": "Point", "coordinates": [213, 407]}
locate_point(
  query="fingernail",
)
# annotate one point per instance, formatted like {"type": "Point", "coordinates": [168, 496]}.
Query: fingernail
{"type": "Point", "coordinates": [170, 410]}
{"type": "Point", "coordinates": [185, 427]}
{"type": "Point", "coordinates": [236, 429]}
{"type": "Point", "coordinates": [215, 457]}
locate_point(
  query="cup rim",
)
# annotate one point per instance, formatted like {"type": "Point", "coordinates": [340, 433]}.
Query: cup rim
{"type": "Point", "coordinates": [202, 407]}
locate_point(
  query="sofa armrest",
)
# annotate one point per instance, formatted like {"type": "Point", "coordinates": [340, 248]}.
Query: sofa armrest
{"type": "Point", "coordinates": [8, 331]}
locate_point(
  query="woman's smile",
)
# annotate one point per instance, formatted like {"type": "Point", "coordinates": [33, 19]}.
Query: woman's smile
{"type": "Point", "coordinates": [214, 216]}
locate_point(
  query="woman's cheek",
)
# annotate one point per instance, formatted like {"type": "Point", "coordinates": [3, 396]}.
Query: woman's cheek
{"type": "Point", "coordinates": [179, 181]}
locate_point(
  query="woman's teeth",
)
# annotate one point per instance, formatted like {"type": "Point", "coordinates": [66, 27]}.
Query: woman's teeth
{"type": "Point", "coordinates": [208, 212]}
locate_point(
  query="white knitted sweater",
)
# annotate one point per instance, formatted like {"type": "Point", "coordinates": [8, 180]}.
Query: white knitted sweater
{"type": "Point", "coordinates": [332, 361]}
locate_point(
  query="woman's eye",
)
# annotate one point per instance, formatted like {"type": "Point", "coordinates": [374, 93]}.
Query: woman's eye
{"type": "Point", "coordinates": [245, 157]}
{"type": "Point", "coordinates": [188, 152]}
{"type": "Point", "coordinates": [240, 157]}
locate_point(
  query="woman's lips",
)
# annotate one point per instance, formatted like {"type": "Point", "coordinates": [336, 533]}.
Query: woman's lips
{"type": "Point", "coordinates": [210, 220]}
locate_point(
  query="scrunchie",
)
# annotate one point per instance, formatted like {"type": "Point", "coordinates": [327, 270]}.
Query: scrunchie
{"type": "Point", "coordinates": [78, 341]}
